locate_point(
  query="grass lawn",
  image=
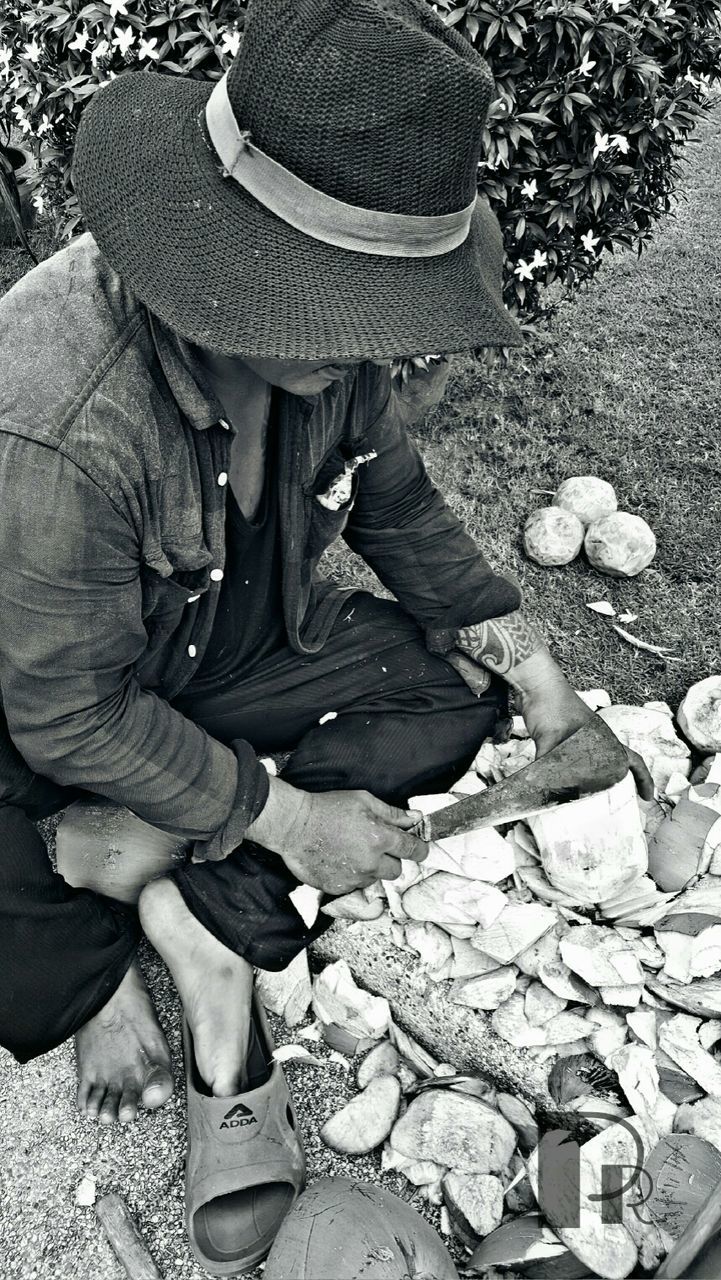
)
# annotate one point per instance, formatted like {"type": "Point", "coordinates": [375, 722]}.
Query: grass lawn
{"type": "Point", "coordinates": [625, 384]}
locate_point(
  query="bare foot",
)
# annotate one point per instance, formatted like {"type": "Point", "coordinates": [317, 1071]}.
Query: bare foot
{"type": "Point", "coordinates": [122, 1055]}
{"type": "Point", "coordinates": [214, 984]}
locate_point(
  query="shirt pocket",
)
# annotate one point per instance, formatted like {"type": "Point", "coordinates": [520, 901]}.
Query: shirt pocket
{"type": "Point", "coordinates": [327, 518]}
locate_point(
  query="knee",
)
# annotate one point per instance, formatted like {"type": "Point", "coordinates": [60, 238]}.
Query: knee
{"type": "Point", "coordinates": [104, 847]}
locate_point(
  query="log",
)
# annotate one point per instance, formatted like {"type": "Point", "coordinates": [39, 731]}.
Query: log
{"type": "Point", "coordinates": [451, 1032]}
{"type": "Point", "coordinates": [125, 1239]}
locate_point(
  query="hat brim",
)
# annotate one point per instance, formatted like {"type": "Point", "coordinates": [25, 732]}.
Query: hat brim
{"type": "Point", "coordinates": [222, 271]}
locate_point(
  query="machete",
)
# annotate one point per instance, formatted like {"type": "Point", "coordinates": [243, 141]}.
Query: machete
{"type": "Point", "coordinates": [590, 760]}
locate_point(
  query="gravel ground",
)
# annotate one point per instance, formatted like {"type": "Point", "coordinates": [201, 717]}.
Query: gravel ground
{"type": "Point", "coordinates": [46, 1148]}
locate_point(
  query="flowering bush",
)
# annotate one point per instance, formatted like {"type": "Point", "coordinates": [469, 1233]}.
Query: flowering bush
{"type": "Point", "coordinates": [582, 145]}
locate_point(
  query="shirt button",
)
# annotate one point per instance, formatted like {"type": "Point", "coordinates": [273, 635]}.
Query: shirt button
{"type": "Point", "coordinates": [223, 478]}
{"type": "Point", "coordinates": [216, 575]}
{"type": "Point", "coordinates": [192, 599]}
{"type": "Point", "coordinates": [225, 425]}
{"type": "Point", "coordinates": [192, 650]}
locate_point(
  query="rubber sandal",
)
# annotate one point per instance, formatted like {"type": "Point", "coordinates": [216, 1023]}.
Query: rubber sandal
{"type": "Point", "coordinates": [245, 1165]}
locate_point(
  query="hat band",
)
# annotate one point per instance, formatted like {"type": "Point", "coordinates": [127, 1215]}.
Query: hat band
{"type": "Point", "coordinates": [393, 235]}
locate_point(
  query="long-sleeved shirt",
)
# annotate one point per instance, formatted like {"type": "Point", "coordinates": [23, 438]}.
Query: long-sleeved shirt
{"type": "Point", "coordinates": [113, 450]}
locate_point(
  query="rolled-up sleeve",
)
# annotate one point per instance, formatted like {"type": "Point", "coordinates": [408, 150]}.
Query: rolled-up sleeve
{"type": "Point", "coordinates": [71, 631]}
{"type": "Point", "coordinates": [402, 527]}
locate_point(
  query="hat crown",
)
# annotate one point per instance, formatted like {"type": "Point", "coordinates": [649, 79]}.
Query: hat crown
{"type": "Point", "coordinates": [374, 102]}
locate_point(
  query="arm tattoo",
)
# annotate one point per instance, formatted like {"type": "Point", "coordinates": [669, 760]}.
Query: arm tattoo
{"type": "Point", "coordinates": [501, 643]}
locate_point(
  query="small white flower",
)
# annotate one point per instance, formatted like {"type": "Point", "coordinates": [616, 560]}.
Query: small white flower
{"type": "Point", "coordinates": [5, 58]}
{"type": "Point", "coordinates": [44, 126]}
{"type": "Point", "coordinates": [39, 202]}
{"type": "Point", "coordinates": [620, 141]}
{"type": "Point", "coordinates": [101, 50]}
{"type": "Point", "coordinates": [22, 119]}
{"type": "Point", "coordinates": [618, 5]}
{"type": "Point", "coordinates": [529, 189]}
{"type": "Point", "coordinates": [524, 270]}
{"type": "Point", "coordinates": [601, 143]}
{"type": "Point", "coordinates": [81, 40]}
{"type": "Point", "coordinates": [118, 7]}
{"type": "Point", "coordinates": [586, 66]}
{"type": "Point", "coordinates": [666, 12]}
{"type": "Point", "coordinates": [230, 43]}
{"type": "Point", "coordinates": [691, 79]}
{"type": "Point", "coordinates": [148, 50]}
{"type": "Point", "coordinates": [32, 51]}
{"type": "Point", "coordinates": [540, 259]}
{"type": "Point", "coordinates": [123, 39]}
{"type": "Point", "coordinates": [589, 242]}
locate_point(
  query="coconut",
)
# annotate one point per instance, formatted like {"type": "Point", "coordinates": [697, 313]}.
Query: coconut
{"type": "Point", "coordinates": [620, 545]}
{"type": "Point", "coordinates": [700, 714]}
{"type": "Point", "coordinates": [591, 848]}
{"type": "Point", "coordinates": [587, 497]}
{"type": "Point", "coordinates": [341, 1228]}
{"type": "Point", "coordinates": [552, 536]}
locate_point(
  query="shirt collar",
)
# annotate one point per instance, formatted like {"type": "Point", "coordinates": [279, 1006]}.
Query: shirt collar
{"type": "Point", "coordinates": [186, 376]}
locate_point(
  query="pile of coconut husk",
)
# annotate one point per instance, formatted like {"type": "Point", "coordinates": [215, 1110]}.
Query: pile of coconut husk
{"type": "Point", "coordinates": [590, 937]}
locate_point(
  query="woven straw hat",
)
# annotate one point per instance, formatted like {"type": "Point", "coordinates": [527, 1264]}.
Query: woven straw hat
{"type": "Point", "coordinates": [341, 219]}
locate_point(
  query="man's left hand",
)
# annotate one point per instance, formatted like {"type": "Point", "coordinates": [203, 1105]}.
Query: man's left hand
{"type": "Point", "coordinates": [553, 711]}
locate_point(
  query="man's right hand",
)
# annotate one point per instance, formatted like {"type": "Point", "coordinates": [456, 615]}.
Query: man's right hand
{"type": "Point", "coordinates": [336, 841]}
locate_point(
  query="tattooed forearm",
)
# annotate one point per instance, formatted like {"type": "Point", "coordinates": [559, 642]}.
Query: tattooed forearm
{"type": "Point", "coordinates": [501, 643]}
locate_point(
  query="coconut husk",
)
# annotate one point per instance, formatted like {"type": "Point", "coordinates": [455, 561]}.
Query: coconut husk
{"type": "Point", "coordinates": [681, 1172]}
{"type": "Point", "coordinates": [600, 957]}
{"type": "Point", "coordinates": [487, 991]}
{"type": "Point", "coordinates": [455, 1130]}
{"type": "Point", "coordinates": [475, 1204]}
{"type": "Point", "coordinates": [366, 1121]}
{"type": "Point", "coordinates": [517, 927]}
{"type": "Point", "coordinates": [678, 1037]}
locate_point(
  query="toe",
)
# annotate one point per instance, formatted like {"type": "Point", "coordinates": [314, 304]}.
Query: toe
{"type": "Point", "coordinates": [84, 1088]}
{"type": "Point", "coordinates": [94, 1101]}
{"type": "Point", "coordinates": [157, 1087]}
{"type": "Point", "coordinates": [109, 1110]}
{"type": "Point", "coordinates": [128, 1107]}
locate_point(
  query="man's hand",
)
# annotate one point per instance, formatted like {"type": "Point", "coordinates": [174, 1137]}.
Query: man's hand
{"type": "Point", "coordinates": [552, 710]}
{"type": "Point", "coordinates": [336, 841]}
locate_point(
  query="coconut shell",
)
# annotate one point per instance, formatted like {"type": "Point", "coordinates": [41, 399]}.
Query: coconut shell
{"type": "Point", "coordinates": [340, 1229]}
{"type": "Point", "coordinates": [456, 1130]}
{"type": "Point", "coordinates": [676, 851]}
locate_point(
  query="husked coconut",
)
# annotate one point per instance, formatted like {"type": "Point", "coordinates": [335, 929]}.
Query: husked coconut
{"type": "Point", "coordinates": [456, 1130]}
{"type": "Point", "coordinates": [552, 536]}
{"type": "Point", "coordinates": [651, 733]}
{"type": "Point", "coordinates": [621, 545]}
{"type": "Point", "coordinates": [700, 714]}
{"type": "Point", "coordinates": [587, 497]}
{"type": "Point", "coordinates": [591, 848]}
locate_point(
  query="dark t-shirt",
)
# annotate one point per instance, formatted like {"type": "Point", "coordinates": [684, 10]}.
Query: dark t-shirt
{"type": "Point", "coordinates": [249, 622]}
